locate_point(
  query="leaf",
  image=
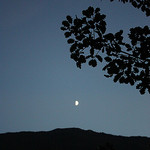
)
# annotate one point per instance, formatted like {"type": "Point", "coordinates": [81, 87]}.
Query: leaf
{"type": "Point", "coordinates": [148, 14]}
{"type": "Point", "coordinates": [97, 18]}
{"type": "Point", "coordinates": [78, 64]}
{"type": "Point", "coordinates": [78, 22]}
{"type": "Point", "coordinates": [142, 91]}
{"type": "Point", "coordinates": [109, 36]}
{"type": "Point", "coordinates": [108, 76]}
{"type": "Point", "coordinates": [92, 51]}
{"type": "Point", "coordinates": [93, 63]}
{"type": "Point", "coordinates": [84, 20]}
{"type": "Point", "coordinates": [103, 17]}
{"type": "Point", "coordinates": [74, 56]}
{"type": "Point", "coordinates": [149, 90]}
{"type": "Point", "coordinates": [118, 36]}
{"type": "Point", "coordinates": [82, 59]}
{"type": "Point", "coordinates": [110, 70]}
{"type": "Point", "coordinates": [91, 23]}
{"type": "Point", "coordinates": [103, 50]}
{"type": "Point", "coordinates": [66, 23]}
{"type": "Point", "coordinates": [108, 59]}
{"type": "Point", "coordinates": [128, 46]}
{"type": "Point", "coordinates": [103, 29]}
{"type": "Point", "coordinates": [91, 10]}
{"type": "Point", "coordinates": [116, 78]}
{"type": "Point", "coordinates": [70, 41]}
{"type": "Point", "coordinates": [146, 30]}
{"type": "Point", "coordinates": [87, 57]}
{"type": "Point", "coordinates": [131, 81]}
{"type": "Point", "coordinates": [86, 42]}
{"type": "Point", "coordinates": [80, 37]}
{"type": "Point", "coordinates": [63, 28]}
{"type": "Point", "coordinates": [67, 34]}
{"type": "Point", "coordinates": [143, 8]}
{"type": "Point", "coordinates": [73, 47]}
{"type": "Point", "coordinates": [118, 48]}
{"type": "Point", "coordinates": [126, 80]}
{"type": "Point", "coordinates": [97, 10]}
{"type": "Point", "coordinates": [80, 45]}
{"type": "Point", "coordinates": [104, 68]}
{"type": "Point", "coordinates": [136, 70]}
{"type": "Point", "coordinates": [88, 12]}
{"type": "Point", "coordinates": [99, 58]}
{"type": "Point", "coordinates": [134, 4]}
{"type": "Point", "coordinates": [139, 85]}
{"type": "Point", "coordinates": [124, 57]}
{"type": "Point", "coordinates": [122, 79]}
{"type": "Point", "coordinates": [84, 12]}
{"type": "Point", "coordinates": [69, 19]}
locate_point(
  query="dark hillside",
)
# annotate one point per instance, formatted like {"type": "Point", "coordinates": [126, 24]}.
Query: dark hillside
{"type": "Point", "coordinates": [70, 139]}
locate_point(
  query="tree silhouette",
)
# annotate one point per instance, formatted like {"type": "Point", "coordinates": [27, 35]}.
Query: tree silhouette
{"type": "Point", "coordinates": [144, 5]}
{"type": "Point", "coordinates": [127, 63]}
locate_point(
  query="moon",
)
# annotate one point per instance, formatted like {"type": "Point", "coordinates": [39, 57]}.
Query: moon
{"type": "Point", "coordinates": [76, 103]}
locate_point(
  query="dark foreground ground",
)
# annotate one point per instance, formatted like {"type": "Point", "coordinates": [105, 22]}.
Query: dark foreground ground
{"type": "Point", "coordinates": [71, 139]}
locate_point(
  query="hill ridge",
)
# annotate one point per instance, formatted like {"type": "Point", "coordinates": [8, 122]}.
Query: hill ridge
{"type": "Point", "coordinates": [70, 139]}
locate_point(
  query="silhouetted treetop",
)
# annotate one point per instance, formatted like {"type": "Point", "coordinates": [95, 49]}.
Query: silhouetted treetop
{"type": "Point", "coordinates": [144, 5]}
{"type": "Point", "coordinates": [127, 63]}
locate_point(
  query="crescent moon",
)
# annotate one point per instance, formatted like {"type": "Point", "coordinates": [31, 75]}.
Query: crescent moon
{"type": "Point", "coordinates": [76, 103]}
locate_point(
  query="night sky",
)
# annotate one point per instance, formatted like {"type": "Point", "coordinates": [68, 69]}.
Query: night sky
{"type": "Point", "coordinates": [39, 83]}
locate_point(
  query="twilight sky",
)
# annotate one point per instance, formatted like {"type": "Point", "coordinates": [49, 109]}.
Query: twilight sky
{"type": "Point", "coordinates": [39, 82]}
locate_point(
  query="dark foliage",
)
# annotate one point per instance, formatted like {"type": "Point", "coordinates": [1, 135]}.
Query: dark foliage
{"type": "Point", "coordinates": [127, 63]}
{"type": "Point", "coordinates": [144, 5]}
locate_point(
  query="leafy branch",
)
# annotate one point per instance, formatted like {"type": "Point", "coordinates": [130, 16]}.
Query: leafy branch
{"type": "Point", "coordinates": [128, 63]}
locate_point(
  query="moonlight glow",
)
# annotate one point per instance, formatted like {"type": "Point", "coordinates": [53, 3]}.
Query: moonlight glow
{"type": "Point", "coordinates": [76, 103]}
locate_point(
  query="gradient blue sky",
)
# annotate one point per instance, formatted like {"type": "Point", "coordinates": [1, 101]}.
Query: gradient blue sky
{"type": "Point", "coordinates": [39, 82]}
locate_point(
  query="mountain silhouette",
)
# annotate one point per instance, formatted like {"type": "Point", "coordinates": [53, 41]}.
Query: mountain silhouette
{"type": "Point", "coordinates": [71, 139]}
